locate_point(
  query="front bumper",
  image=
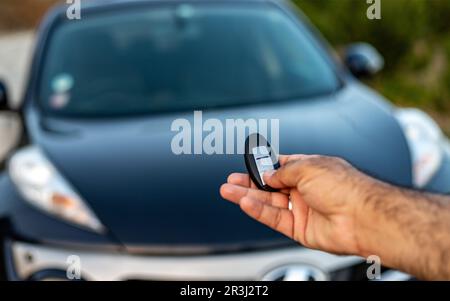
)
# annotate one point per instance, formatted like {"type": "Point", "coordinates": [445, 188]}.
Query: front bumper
{"type": "Point", "coordinates": [28, 259]}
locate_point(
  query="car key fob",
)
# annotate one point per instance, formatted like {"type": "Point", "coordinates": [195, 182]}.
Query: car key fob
{"type": "Point", "coordinates": [259, 158]}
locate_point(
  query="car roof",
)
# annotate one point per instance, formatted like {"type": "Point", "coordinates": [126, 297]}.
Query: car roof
{"type": "Point", "coordinates": [60, 9]}
{"type": "Point", "coordinates": [98, 3]}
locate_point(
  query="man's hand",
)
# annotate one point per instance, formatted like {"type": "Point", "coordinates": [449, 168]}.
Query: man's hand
{"type": "Point", "coordinates": [324, 196]}
{"type": "Point", "coordinates": [338, 209]}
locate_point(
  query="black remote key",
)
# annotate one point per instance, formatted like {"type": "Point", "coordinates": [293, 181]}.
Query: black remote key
{"type": "Point", "coordinates": [259, 158]}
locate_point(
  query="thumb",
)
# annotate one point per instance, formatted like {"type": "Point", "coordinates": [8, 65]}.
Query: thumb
{"type": "Point", "coordinates": [286, 176]}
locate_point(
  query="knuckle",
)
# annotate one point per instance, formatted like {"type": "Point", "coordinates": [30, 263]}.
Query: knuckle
{"type": "Point", "coordinates": [340, 161]}
{"type": "Point", "coordinates": [326, 161]}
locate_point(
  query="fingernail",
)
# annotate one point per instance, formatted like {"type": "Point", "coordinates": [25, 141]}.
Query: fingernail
{"type": "Point", "coordinates": [228, 188]}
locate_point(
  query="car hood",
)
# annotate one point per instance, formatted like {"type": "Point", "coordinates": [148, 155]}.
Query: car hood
{"type": "Point", "coordinates": [148, 197]}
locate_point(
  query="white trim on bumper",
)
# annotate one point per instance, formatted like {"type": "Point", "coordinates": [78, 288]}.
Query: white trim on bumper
{"type": "Point", "coordinates": [29, 259]}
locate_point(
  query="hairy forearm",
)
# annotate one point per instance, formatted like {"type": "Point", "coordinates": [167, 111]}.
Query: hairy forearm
{"type": "Point", "coordinates": [408, 230]}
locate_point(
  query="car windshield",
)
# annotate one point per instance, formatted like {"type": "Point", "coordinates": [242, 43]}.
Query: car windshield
{"type": "Point", "coordinates": [179, 57]}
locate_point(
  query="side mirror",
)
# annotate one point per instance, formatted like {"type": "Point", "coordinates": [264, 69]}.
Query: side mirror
{"type": "Point", "coordinates": [4, 102]}
{"type": "Point", "coordinates": [363, 60]}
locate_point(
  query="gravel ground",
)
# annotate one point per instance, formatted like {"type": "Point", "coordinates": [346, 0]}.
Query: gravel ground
{"type": "Point", "coordinates": [15, 49]}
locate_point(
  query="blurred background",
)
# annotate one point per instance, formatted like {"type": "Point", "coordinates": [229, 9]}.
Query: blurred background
{"type": "Point", "coordinates": [413, 36]}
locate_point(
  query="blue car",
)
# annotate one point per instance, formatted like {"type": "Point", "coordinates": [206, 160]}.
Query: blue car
{"type": "Point", "coordinates": [95, 184]}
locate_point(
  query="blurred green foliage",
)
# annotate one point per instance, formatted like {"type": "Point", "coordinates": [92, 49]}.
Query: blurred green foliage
{"type": "Point", "coordinates": [412, 35]}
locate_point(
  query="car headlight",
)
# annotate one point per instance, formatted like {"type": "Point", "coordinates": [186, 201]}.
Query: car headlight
{"type": "Point", "coordinates": [40, 184]}
{"type": "Point", "coordinates": [426, 142]}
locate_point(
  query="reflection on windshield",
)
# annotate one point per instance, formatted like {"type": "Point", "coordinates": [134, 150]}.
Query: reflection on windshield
{"type": "Point", "coordinates": [177, 58]}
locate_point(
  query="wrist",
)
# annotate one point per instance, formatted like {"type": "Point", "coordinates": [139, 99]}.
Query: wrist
{"type": "Point", "coordinates": [369, 218]}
